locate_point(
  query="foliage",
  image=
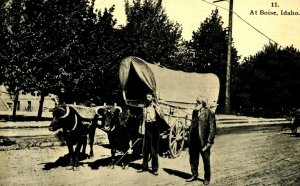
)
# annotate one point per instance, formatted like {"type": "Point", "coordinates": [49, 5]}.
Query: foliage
{"type": "Point", "coordinates": [269, 79]}
{"type": "Point", "coordinates": [14, 69]}
{"type": "Point", "coordinates": [67, 48]}
{"type": "Point", "coordinates": [209, 45]}
{"type": "Point", "coordinates": [105, 50]}
{"type": "Point", "coordinates": [69, 51]}
{"type": "Point", "coordinates": [183, 58]}
{"type": "Point", "coordinates": [3, 35]}
{"type": "Point", "coordinates": [149, 33]}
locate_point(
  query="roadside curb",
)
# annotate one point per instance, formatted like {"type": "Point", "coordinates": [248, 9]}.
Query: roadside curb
{"type": "Point", "coordinates": [27, 129]}
{"type": "Point", "coordinates": [223, 129]}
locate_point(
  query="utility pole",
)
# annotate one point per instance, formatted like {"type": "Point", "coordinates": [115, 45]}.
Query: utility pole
{"type": "Point", "coordinates": [228, 67]}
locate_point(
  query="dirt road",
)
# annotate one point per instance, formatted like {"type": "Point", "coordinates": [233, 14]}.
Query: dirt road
{"type": "Point", "coordinates": [264, 157]}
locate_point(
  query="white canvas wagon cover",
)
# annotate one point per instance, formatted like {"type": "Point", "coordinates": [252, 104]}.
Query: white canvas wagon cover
{"type": "Point", "coordinates": [172, 87]}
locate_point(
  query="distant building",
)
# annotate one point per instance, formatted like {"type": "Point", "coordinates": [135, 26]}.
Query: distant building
{"type": "Point", "coordinates": [5, 99]}
{"type": "Point", "coordinates": [26, 103]}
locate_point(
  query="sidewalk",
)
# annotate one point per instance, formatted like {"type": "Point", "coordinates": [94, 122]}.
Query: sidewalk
{"type": "Point", "coordinates": [45, 114]}
{"type": "Point", "coordinates": [23, 124]}
{"type": "Point", "coordinates": [225, 124]}
{"type": "Point", "coordinates": [233, 123]}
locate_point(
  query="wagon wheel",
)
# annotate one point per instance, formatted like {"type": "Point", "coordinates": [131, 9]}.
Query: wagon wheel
{"type": "Point", "coordinates": [176, 138]}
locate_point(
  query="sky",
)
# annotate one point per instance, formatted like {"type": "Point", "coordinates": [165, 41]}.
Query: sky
{"type": "Point", "coordinates": [283, 29]}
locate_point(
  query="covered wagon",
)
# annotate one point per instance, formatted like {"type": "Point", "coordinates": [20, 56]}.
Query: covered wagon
{"type": "Point", "coordinates": [175, 91]}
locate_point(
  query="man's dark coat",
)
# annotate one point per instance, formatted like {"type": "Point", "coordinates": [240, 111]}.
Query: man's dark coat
{"type": "Point", "coordinates": [206, 125]}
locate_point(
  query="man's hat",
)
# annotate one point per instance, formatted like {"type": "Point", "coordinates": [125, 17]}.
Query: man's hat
{"type": "Point", "coordinates": [202, 98]}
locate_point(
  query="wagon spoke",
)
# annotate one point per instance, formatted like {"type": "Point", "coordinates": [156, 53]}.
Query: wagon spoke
{"type": "Point", "coordinates": [178, 129]}
{"type": "Point", "coordinates": [181, 133]}
{"type": "Point", "coordinates": [174, 147]}
{"type": "Point", "coordinates": [172, 143]}
{"type": "Point", "coordinates": [178, 125]}
{"type": "Point", "coordinates": [175, 129]}
{"type": "Point", "coordinates": [174, 133]}
{"type": "Point", "coordinates": [180, 142]}
{"type": "Point", "coordinates": [176, 137]}
{"type": "Point", "coordinates": [178, 145]}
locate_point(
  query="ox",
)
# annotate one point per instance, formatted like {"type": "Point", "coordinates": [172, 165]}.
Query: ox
{"type": "Point", "coordinates": [75, 131]}
{"type": "Point", "coordinates": [294, 118]}
{"type": "Point", "coordinates": [122, 128]}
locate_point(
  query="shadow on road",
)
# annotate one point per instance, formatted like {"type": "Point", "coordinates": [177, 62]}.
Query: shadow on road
{"type": "Point", "coordinates": [63, 161]}
{"type": "Point", "coordinates": [119, 161]}
{"type": "Point", "coordinates": [291, 134]}
{"type": "Point", "coordinates": [136, 166]}
{"type": "Point", "coordinates": [107, 146]}
{"type": "Point", "coordinates": [105, 162]}
{"type": "Point", "coordinates": [180, 174]}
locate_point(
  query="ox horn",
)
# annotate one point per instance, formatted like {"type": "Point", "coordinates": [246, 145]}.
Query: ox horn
{"type": "Point", "coordinates": [98, 108]}
{"type": "Point", "coordinates": [67, 112]}
{"type": "Point", "coordinates": [118, 107]}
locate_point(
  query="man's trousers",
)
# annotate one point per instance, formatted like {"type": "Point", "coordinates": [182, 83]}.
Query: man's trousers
{"type": "Point", "coordinates": [194, 152]}
{"type": "Point", "coordinates": [151, 145]}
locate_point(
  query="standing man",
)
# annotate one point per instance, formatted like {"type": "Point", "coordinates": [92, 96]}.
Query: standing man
{"type": "Point", "coordinates": [202, 134]}
{"type": "Point", "coordinates": [151, 114]}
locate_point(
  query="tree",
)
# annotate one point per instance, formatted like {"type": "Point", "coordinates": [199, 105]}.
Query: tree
{"type": "Point", "coordinates": [149, 33]}
{"type": "Point", "coordinates": [46, 46]}
{"type": "Point", "coordinates": [15, 70]}
{"type": "Point", "coordinates": [105, 50]}
{"type": "Point", "coordinates": [65, 48]}
{"type": "Point", "coordinates": [34, 44]}
{"type": "Point", "coordinates": [183, 58]}
{"type": "Point", "coordinates": [269, 79]}
{"type": "Point", "coordinates": [62, 58]}
{"type": "Point", "coordinates": [3, 37]}
{"type": "Point", "coordinates": [209, 44]}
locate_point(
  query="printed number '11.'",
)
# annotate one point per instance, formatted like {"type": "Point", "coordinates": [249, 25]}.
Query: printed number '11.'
{"type": "Point", "coordinates": [274, 4]}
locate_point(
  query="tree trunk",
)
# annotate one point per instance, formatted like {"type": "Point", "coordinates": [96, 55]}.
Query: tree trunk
{"type": "Point", "coordinates": [39, 116]}
{"type": "Point", "coordinates": [14, 114]}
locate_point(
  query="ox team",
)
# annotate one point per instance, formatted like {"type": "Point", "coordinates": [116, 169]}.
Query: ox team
{"type": "Point", "coordinates": [202, 134]}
